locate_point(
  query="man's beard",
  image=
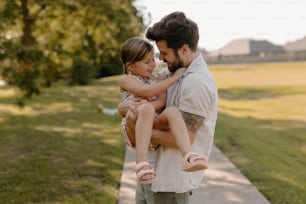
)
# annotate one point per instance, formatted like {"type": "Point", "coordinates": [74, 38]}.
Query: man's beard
{"type": "Point", "coordinates": [178, 63]}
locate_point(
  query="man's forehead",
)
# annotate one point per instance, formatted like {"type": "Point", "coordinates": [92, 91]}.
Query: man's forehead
{"type": "Point", "coordinates": [162, 46]}
{"type": "Point", "coordinates": [161, 43]}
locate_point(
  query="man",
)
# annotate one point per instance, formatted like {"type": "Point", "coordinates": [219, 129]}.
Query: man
{"type": "Point", "coordinates": [196, 97]}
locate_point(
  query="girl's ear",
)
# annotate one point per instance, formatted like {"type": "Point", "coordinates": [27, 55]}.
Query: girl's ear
{"type": "Point", "coordinates": [130, 67]}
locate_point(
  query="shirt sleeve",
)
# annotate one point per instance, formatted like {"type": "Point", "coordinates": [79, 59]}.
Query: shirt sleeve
{"type": "Point", "coordinates": [195, 95]}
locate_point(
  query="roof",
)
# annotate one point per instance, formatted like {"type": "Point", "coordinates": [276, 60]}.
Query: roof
{"type": "Point", "coordinates": [248, 46]}
{"type": "Point", "coordinates": [298, 45]}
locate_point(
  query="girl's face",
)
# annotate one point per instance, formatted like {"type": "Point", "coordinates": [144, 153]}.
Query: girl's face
{"type": "Point", "coordinates": [144, 67]}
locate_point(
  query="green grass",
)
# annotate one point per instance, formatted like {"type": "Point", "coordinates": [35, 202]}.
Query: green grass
{"type": "Point", "coordinates": [58, 149]}
{"type": "Point", "coordinates": [262, 125]}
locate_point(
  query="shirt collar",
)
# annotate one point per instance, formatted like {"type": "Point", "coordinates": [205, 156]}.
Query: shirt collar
{"type": "Point", "coordinates": [197, 65]}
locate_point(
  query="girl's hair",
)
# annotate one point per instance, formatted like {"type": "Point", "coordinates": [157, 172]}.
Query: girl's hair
{"type": "Point", "coordinates": [134, 50]}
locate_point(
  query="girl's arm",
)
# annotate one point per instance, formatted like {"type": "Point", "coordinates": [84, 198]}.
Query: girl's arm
{"type": "Point", "coordinates": [124, 106]}
{"type": "Point", "coordinates": [130, 84]}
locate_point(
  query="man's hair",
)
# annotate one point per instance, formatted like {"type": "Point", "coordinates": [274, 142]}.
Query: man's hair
{"type": "Point", "coordinates": [176, 29]}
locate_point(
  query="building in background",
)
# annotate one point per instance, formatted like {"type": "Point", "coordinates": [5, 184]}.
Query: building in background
{"type": "Point", "coordinates": [250, 50]}
{"type": "Point", "coordinates": [296, 50]}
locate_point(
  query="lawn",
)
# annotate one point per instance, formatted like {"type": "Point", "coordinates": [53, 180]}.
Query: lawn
{"type": "Point", "coordinates": [262, 125]}
{"type": "Point", "coordinates": [58, 149]}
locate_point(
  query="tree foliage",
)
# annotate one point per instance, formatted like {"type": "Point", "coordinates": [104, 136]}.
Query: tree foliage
{"type": "Point", "coordinates": [42, 40]}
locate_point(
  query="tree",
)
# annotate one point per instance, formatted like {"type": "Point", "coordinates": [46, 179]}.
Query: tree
{"type": "Point", "coordinates": [43, 41]}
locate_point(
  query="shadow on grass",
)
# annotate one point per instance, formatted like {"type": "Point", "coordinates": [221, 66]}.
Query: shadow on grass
{"type": "Point", "coordinates": [259, 93]}
{"type": "Point", "coordinates": [43, 161]}
{"type": "Point", "coordinates": [105, 88]}
{"type": "Point", "coordinates": [59, 149]}
{"type": "Point", "coordinates": [271, 153]}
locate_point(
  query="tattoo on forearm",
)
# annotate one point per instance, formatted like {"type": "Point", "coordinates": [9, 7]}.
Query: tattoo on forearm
{"type": "Point", "coordinates": [193, 122]}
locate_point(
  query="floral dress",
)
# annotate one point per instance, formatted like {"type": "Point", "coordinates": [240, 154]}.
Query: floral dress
{"type": "Point", "coordinates": [125, 95]}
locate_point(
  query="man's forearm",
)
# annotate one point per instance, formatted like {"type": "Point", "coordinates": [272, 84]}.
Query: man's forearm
{"type": "Point", "coordinates": [163, 137]}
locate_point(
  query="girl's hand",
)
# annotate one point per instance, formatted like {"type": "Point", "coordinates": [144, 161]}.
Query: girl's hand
{"type": "Point", "coordinates": [123, 107]}
{"type": "Point", "coordinates": [179, 72]}
{"type": "Point", "coordinates": [159, 76]}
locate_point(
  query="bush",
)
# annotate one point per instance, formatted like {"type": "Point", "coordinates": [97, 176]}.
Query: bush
{"type": "Point", "coordinates": [109, 70]}
{"type": "Point", "coordinates": [81, 73]}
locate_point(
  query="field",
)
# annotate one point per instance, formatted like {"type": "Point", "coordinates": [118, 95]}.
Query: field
{"type": "Point", "coordinates": [58, 149]}
{"type": "Point", "coordinates": [262, 125]}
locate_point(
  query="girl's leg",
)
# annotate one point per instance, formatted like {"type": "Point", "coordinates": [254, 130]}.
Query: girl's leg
{"type": "Point", "coordinates": [143, 130]}
{"type": "Point", "coordinates": [171, 117]}
{"type": "Point", "coordinates": [143, 133]}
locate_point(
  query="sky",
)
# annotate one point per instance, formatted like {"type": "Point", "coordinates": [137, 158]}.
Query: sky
{"type": "Point", "coordinates": [221, 21]}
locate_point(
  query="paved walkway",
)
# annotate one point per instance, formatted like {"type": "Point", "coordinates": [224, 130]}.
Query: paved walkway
{"type": "Point", "coordinates": [223, 183]}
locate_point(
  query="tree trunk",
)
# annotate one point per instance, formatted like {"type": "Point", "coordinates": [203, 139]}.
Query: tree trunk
{"type": "Point", "coordinates": [27, 38]}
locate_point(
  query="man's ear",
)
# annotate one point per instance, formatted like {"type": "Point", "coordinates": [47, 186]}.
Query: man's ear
{"type": "Point", "coordinates": [182, 51]}
{"type": "Point", "coordinates": [185, 48]}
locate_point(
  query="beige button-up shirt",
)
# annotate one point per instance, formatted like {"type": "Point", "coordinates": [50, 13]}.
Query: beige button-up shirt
{"type": "Point", "coordinates": [195, 93]}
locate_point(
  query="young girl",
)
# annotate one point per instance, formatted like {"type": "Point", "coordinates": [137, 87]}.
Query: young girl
{"type": "Point", "coordinates": [139, 80]}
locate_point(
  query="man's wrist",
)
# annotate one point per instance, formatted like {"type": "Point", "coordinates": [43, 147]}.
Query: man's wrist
{"type": "Point", "coordinates": [154, 138]}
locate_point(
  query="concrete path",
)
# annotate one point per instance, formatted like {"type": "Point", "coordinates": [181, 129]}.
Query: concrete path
{"type": "Point", "coordinates": [223, 183]}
